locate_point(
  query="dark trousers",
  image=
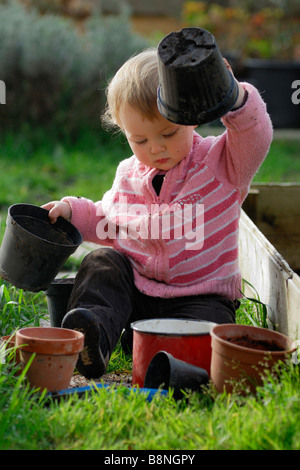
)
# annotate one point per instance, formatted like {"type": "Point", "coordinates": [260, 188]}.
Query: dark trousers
{"type": "Point", "coordinates": [104, 284]}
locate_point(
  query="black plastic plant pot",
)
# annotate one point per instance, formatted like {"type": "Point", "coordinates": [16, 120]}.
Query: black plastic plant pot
{"type": "Point", "coordinates": [195, 86]}
{"type": "Point", "coordinates": [166, 371]}
{"type": "Point", "coordinates": [57, 296]}
{"type": "Point", "coordinates": [33, 250]}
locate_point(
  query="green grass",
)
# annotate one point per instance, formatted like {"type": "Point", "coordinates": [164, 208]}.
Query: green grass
{"type": "Point", "coordinates": [282, 164]}
{"type": "Point", "coordinates": [20, 309]}
{"type": "Point", "coordinates": [121, 419]}
{"type": "Point", "coordinates": [35, 168]}
{"type": "Point", "coordinates": [118, 419]}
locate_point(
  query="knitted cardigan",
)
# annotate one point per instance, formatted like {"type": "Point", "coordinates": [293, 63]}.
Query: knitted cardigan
{"type": "Point", "coordinates": [184, 241]}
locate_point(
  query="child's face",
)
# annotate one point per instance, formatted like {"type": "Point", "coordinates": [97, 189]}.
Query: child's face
{"type": "Point", "coordinates": [159, 143]}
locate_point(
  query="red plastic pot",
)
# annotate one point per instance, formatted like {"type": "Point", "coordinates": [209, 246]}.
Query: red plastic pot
{"type": "Point", "coordinates": [56, 353]}
{"type": "Point", "coordinates": [187, 340]}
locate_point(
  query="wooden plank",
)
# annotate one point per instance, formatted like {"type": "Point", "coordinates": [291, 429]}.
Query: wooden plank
{"type": "Point", "coordinates": [275, 210]}
{"type": "Point", "coordinates": [276, 283]}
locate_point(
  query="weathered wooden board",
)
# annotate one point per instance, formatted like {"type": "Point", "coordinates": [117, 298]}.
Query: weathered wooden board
{"type": "Point", "coordinates": [276, 283]}
{"type": "Point", "coordinates": [275, 210]}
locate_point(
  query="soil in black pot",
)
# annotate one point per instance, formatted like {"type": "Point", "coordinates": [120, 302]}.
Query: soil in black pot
{"type": "Point", "coordinates": [43, 229]}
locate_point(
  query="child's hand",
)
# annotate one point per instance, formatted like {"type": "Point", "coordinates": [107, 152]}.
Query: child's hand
{"type": "Point", "coordinates": [241, 95]}
{"type": "Point", "coordinates": [58, 208]}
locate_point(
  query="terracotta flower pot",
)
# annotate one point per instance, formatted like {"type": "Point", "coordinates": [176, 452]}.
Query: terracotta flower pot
{"type": "Point", "coordinates": [241, 354]}
{"type": "Point", "coordinates": [56, 353]}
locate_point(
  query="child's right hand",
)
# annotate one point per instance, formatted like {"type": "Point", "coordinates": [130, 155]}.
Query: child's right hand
{"type": "Point", "coordinates": [58, 208]}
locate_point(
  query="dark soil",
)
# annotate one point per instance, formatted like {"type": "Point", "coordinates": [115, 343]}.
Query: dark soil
{"type": "Point", "coordinates": [263, 345]}
{"type": "Point", "coordinates": [43, 230]}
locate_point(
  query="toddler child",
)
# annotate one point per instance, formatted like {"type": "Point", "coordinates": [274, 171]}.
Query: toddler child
{"type": "Point", "coordinates": [169, 226]}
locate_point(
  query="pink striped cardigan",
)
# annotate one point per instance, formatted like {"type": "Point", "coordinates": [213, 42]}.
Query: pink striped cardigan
{"type": "Point", "coordinates": [210, 184]}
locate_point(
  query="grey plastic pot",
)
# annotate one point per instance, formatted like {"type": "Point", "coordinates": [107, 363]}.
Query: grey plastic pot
{"type": "Point", "coordinates": [166, 371]}
{"type": "Point", "coordinates": [195, 86]}
{"type": "Point", "coordinates": [57, 296]}
{"type": "Point", "coordinates": [33, 250]}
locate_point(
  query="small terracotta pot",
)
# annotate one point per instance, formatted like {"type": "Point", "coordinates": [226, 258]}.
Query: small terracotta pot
{"type": "Point", "coordinates": [56, 353]}
{"type": "Point", "coordinates": [241, 354]}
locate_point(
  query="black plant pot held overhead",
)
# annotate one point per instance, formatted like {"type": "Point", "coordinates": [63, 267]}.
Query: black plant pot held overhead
{"type": "Point", "coordinates": [195, 87]}
{"type": "Point", "coordinates": [33, 250]}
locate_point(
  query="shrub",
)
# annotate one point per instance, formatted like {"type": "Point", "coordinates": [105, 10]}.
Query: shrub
{"type": "Point", "coordinates": [265, 29]}
{"type": "Point", "coordinates": [54, 74]}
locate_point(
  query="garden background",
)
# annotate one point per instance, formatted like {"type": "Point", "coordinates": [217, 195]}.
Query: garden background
{"type": "Point", "coordinates": [56, 57]}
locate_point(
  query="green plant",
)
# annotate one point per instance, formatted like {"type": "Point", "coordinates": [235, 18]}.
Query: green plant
{"type": "Point", "coordinates": [253, 308]}
{"type": "Point", "coordinates": [19, 309]}
{"type": "Point", "coordinates": [54, 74]}
{"type": "Point", "coordinates": [119, 361]}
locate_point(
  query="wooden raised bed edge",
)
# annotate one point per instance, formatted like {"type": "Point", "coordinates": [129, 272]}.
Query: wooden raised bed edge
{"type": "Point", "coordinates": [276, 283]}
{"type": "Point", "coordinates": [275, 210]}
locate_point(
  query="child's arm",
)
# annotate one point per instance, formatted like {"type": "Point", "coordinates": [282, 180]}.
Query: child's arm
{"type": "Point", "coordinates": [236, 155]}
{"type": "Point", "coordinates": [248, 138]}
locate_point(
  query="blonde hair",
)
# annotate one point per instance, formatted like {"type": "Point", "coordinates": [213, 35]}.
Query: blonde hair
{"type": "Point", "coordinates": [136, 84]}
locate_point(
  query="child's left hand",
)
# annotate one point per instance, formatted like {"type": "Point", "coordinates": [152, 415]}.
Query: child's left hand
{"type": "Point", "coordinates": [241, 95]}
